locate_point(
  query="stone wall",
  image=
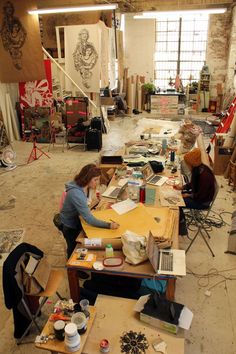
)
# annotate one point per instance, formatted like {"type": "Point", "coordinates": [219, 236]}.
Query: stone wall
{"type": "Point", "coordinates": [218, 49]}
{"type": "Point", "coordinates": [231, 64]}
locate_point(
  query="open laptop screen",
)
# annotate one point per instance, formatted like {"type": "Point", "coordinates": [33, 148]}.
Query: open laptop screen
{"type": "Point", "coordinates": [147, 171]}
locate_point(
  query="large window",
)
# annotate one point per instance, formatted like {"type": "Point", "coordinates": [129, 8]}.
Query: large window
{"type": "Point", "coordinates": [180, 49]}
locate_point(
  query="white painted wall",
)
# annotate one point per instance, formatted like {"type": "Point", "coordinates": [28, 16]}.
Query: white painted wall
{"type": "Point", "coordinates": [139, 45]}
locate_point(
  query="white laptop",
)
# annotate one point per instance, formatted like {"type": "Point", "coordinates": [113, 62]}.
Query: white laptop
{"type": "Point", "coordinates": [150, 176]}
{"type": "Point", "coordinates": [169, 262]}
{"type": "Point", "coordinates": [114, 191]}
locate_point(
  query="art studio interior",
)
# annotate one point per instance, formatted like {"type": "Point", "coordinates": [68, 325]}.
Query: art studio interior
{"type": "Point", "coordinates": [118, 176]}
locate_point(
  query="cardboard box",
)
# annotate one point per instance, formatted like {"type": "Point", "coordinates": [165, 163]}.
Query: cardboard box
{"type": "Point", "coordinates": [107, 101]}
{"type": "Point", "coordinates": [221, 159]}
{"type": "Point", "coordinates": [184, 322]}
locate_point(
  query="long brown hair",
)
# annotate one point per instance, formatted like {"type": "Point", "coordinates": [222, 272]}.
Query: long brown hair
{"type": "Point", "coordinates": [86, 174]}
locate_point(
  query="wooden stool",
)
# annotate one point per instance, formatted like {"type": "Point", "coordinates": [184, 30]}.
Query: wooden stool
{"type": "Point", "coordinates": [232, 173]}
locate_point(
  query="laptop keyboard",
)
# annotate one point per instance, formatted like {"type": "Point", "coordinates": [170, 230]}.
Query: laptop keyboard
{"type": "Point", "coordinates": [115, 192]}
{"type": "Point", "coordinates": [155, 179]}
{"type": "Point", "coordinates": [167, 261]}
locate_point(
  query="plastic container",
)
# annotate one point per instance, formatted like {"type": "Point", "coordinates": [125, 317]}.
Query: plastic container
{"type": "Point", "coordinates": [80, 320]}
{"type": "Point", "coordinates": [109, 250]}
{"type": "Point", "coordinates": [72, 337]}
{"type": "Point", "coordinates": [133, 189]}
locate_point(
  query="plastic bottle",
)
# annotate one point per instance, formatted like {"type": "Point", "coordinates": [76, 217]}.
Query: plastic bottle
{"type": "Point", "coordinates": [109, 250]}
{"type": "Point", "coordinates": [142, 193]}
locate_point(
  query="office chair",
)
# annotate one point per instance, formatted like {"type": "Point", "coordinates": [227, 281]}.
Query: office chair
{"type": "Point", "coordinates": [198, 218]}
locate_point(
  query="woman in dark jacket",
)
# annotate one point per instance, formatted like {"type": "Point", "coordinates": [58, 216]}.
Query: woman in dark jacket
{"type": "Point", "coordinates": [199, 192]}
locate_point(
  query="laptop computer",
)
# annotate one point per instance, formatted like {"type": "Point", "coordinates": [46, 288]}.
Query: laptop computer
{"type": "Point", "coordinates": [169, 262]}
{"type": "Point", "coordinates": [150, 176]}
{"type": "Point", "coordinates": [113, 191]}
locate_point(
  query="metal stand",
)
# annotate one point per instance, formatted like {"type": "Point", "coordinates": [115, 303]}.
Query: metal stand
{"type": "Point", "coordinates": [33, 155]}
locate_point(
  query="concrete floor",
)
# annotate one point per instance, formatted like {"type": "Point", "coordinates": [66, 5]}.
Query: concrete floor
{"type": "Point", "coordinates": [38, 187]}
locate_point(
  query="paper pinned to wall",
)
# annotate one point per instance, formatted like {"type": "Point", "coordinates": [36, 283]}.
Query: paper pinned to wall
{"type": "Point", "coordinates": [21, 53]}
{"type": "Point", "coordinates": [83, 56]}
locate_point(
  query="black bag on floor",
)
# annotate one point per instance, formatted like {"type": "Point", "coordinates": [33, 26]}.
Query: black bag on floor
{"type": "Point", "coordinates": [96, 123]}
{"type": "Point", "coordinates": [94, 139]}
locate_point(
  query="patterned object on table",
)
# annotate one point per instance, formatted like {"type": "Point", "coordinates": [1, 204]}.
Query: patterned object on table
{"type": "Point", "coordinates": [133, 343]}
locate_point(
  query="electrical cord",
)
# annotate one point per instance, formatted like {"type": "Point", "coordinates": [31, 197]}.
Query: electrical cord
{"type": "Point", "coordinates": [204, 279]}
{"type": "Point", "coordinates": [216, 220]}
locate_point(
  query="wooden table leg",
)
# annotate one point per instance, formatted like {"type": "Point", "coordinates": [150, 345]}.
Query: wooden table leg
{"type": "Point", "coordinates": [73, 284]}
{"type": "Point", "coordinates": [170, 290]}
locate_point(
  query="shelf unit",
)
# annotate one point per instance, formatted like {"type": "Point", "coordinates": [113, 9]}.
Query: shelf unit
{"type": "Point", "coordinates": [204, 91]}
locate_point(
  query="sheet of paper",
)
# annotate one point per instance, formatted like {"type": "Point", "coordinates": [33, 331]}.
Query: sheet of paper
{"type": "Point", "coordinates": [171, 197]}
{"type": "Point", "coordinates": [124, 207]}
{"type": "Point", "coordinates": [31, 265]}
{"type": "Point", "coordinates": [137, 220]}
{"type": "Point", "coordinates": [185, 318]}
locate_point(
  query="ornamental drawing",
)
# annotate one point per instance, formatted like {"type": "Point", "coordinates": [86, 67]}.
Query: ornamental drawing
{"type": "Point", "coordinates": [85, 57]}
{"type": "Point", "coordinates": [13, 34]}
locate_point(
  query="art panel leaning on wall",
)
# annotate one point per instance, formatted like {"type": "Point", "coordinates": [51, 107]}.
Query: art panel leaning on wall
{"type": "Point", "coordinates": [21, 53]}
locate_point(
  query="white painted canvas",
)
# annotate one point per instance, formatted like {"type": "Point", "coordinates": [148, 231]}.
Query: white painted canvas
{"type": "Point", "coordinates": [104, 54]}
{"type": "Point", "coordinates": [112, 58]}
{"type": "Point", "coordinates": [82, 56]}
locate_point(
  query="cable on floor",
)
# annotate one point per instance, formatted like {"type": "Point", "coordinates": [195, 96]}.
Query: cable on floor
{"type": "Point", "coordinates": [204, 279]}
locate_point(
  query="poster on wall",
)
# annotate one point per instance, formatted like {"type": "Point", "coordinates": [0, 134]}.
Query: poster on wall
{"type": "Point", "coordinates": [20, 44]}
{"type": "Point", "coordinates": [82, 56]}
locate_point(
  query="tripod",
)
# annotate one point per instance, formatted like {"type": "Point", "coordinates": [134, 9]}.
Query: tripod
{"type": "Point", "coordinates": [33, 155]}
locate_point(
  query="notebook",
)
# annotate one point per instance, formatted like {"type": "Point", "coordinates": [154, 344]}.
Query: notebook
{"type": "Point", "coordinates": [150, 176]}
{"type": "Point", "coordinates": [169, 262]}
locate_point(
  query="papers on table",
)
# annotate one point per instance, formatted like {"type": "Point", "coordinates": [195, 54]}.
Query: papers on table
{"type": "Point", "coordinates": [124, 207]}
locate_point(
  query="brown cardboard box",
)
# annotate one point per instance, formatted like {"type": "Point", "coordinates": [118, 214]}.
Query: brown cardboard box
{"type": "Point", "coordinates": [221, 159]}
{"type": "Point", "coordinates": [107, 101]}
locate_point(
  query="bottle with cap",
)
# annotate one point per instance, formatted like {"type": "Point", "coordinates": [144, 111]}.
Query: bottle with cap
{"type": "Point", "coordinates": [109, 250]}
{"type": "Point", "coordinates": [142, 193]}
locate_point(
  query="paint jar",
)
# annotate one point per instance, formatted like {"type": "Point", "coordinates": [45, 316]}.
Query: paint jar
{"type": "Point", "coordinates": [109, 250]}
{"type": "Point", "coordinates": [104, 346]}
{"type": "Point", "coordinates": [59, 329]}
{"type": "Point", "coordinates": [80, 320]}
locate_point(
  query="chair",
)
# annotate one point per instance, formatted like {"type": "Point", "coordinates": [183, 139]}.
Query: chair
{"type": "Point", "coordinates": [198, 218]}
{"type": "Point", "coordinates": [25, 307]}
{"type": "Point", "coordinates": [54, 281]}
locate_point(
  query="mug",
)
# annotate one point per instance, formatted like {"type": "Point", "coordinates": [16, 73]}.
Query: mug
{"type": "Point", "coordinates": [59, 329]}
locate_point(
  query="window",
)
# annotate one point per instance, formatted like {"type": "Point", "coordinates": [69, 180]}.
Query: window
{"type": "Point", "coordinates": [180, 48]}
